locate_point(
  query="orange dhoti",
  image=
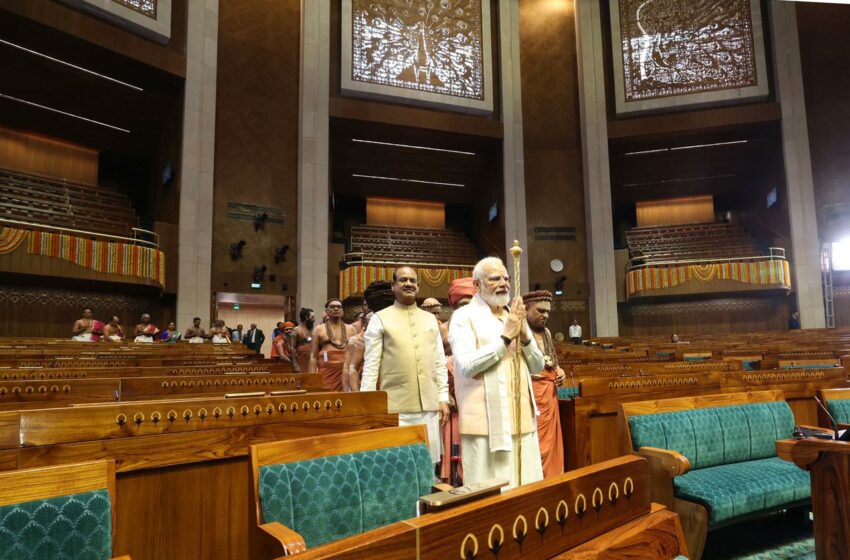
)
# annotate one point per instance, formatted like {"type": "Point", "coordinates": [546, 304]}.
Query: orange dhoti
{"type": "Point", "coordinates": [549, 424]}
{"type": "Point", "coordinates": [302, 357]}
{"type": "Point", "coordinates": [330, 366]}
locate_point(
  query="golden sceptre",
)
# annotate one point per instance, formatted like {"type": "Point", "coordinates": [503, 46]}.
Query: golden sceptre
{"type": "Point", "coordinates": [516, 252]}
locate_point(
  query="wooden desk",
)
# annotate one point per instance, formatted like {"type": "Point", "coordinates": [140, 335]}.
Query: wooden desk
{"type": "Point", "coordinates": [603, 511]}
{"type": "Point", "coordinates": [829, 464]}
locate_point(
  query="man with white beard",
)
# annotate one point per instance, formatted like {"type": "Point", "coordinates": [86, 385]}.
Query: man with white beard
{"type": "Point", "coordinates": [484, 336]}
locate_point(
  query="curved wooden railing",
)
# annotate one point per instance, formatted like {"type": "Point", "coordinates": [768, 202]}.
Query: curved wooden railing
{"type": "Point", "coordinates": [135, 240]}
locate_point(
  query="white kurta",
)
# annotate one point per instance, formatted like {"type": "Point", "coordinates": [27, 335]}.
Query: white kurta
{"type": "Point", "coordinates": [483, 370]}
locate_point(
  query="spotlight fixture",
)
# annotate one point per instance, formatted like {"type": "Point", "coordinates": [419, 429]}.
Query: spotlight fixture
{"type": "Point", "coordinates": [260, 221]}
{"type": "Point", "coordinates": [280, 254]}
{"type": "Point", "coordinates": [259, 273]}
{"type": "Point", "coordinates": [236, 250]}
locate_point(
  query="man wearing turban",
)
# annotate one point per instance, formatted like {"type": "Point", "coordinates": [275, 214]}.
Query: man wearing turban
{"type": "Point", "coordinates": [377, 296]}
{"type": "Point", "coordinates": [538, 305]}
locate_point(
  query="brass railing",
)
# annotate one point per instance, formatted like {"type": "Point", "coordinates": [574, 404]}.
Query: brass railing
{"type": "Point", "coordinates": [135, 240]}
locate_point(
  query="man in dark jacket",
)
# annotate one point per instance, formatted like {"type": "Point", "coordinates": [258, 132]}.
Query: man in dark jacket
{"type": "Point", "coordinates": [254, 338]}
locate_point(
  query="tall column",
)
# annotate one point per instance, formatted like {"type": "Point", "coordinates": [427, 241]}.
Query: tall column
{"type": "Point", "coordinates": [513, 158]}
{"type": "Point", "coordinates": [313, 172]}
{"type": "Point", "coordinates": [798, 165]}
{"type": "Point", "coordinates": [597, 175]}
{"type": "Point", "coordinates": [197, 164]}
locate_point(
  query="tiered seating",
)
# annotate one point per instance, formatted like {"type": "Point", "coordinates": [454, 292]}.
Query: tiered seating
{"type": "Point", "coordinates": [64, 204]}
{"type": "Point", "coordinates": [690, 242]}
{"type": "Point", "coordinates": [179, 436]}
{"type": "Point", "coordinates": [411, 245]}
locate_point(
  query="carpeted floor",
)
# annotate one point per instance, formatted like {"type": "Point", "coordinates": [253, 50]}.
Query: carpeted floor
{"type": "Point", "coordinates": [783, 536]}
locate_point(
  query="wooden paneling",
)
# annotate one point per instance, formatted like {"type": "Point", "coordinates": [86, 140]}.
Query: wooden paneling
{"type": "Point", "coordinates": [256, 147]}
{"type": "Point", "coordinates": [693, 120]}
{"type": "Point", "coordinates": [34, 311]}
{"type": "Point", "coordinates": [552, 144]}
{"type": "Point", "coordinates": [48, 157]}
{"type": "Point", "coordinates": [681, 210]}
{"type": "Point", "coordinates": [405, 213]}
{"type": "Point", "coordinates": [690, 316]}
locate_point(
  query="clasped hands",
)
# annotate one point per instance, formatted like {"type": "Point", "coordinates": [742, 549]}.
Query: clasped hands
{"type": "Point", "coordinates": [515, 325]}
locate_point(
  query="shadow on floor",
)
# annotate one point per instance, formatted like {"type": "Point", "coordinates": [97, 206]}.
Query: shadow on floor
{"type": "Point", "coordinates": [787, 535]}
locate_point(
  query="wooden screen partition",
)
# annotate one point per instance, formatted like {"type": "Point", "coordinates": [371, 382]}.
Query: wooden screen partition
{"type": "Point", "coordinates": [182, 464]}
{"type": "Point", "coordinates": [402, 212]}
{"type": "Point", "coordinates": [669, 211]}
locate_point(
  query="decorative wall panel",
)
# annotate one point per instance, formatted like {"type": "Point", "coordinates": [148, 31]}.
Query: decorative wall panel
{"type": "Point", "coordinates": [679, 53]}
{"type": "Point", "coordinates": [146, 7]}
{"type": "Point", "coordinates": [434, 52]}
{"type": "Point", "coordinates": [151, 18]}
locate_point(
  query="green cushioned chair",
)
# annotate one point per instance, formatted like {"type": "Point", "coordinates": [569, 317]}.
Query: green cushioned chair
{"type": "Point", "coordinates": [837, 401]}
{"type": "Point", "coordinates": [722, 458]}
{"type": "Point", "coordinates": [567, 393]}
{"type": "Point", "coordinates": [337, 486]}
{"type": "Point", "coordinates": [57, 513]}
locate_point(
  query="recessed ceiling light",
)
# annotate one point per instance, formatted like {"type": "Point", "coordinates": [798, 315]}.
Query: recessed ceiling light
{"type": "Point", "coordinates": [680, 180]}
{"type": "Point", "coordinates": [74, 66]}
{"type": "Point", "coordinates": [412, 147]}
{"type": "Point", "coordinates": [689, 147]}
{"type": "Point", "coordinates": [61, 112]}
{"type": "Point", "coordinates": [404, 180]}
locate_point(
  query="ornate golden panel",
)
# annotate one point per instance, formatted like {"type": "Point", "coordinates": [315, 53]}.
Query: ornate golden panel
{"type": "Point", "coordinates": [146, 7]}
{"type": "Point", "coordinates": [425, 51]}
{"type": "Point", "coordinates": [684, 49]}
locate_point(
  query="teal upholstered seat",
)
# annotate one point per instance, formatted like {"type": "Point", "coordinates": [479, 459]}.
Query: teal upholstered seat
{"type": "Point", "coordinates": [330, 498]}
{"type": "Point", "coordinates": [737, 489]}
{"type": "Point", "coordinates": [72, 527]}
{"type": "Point", "coordinates": [732, 452]}
{"type": "Point", "coordinates": [567, 393]}
{"type": "Point", "coordinates": [839, 409]}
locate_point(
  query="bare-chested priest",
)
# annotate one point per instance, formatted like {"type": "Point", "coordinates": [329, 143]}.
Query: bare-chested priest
{"type": "Point", "coordinates": [485, 335]}
{"type": "Point", "coordinates": [327, 354]}
{"type": "Point", "coordinates": [301, 340]}
{"type": "Point", "coordinates": [538, 304]}
{"type": "Point", "coordinates": [81, 331]}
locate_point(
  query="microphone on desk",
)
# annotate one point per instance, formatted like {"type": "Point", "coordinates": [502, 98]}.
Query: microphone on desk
{"type": "Point", "coordinates": [833, 424]}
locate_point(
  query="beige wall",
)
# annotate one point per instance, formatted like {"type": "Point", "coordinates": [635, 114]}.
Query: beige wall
{"type": "Point", "coordinates": [266, 319]}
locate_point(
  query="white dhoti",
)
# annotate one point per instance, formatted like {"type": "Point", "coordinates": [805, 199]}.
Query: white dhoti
{"type": "Point", "coordinates": [218, 339]}
{"type": "Point", "coordinates": [480, 464]}
{"type": "Point", "coordinates": [431, 420]}
{"type": "Point", "coordinates": [144, 338]}
{"type": "Point", "coordinates": [196, 340]}
{"type": "Point", "coordinates": [85, 337]}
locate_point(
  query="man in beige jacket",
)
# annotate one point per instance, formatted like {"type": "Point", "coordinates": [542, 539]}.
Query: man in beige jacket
{"type": "Point", "coordinates": [485, 335]}
{"type": "Point", "coordinates": [404, 352]}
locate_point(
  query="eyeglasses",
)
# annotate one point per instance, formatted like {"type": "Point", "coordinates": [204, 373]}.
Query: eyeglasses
{"type": "Point", "coordinates": [334, 307]}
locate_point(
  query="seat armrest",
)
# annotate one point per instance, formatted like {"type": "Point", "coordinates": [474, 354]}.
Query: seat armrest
{"type": "Point", "coordinates": [442, 487]}
{"type": "Point", "coordinates": [664, 465]}
{"type": "Point", "coordinates": [290, 541]}
{"type": "Point", "coordinates": [673, 462]}
{"type": "Point", "coordinates": [125, 557]}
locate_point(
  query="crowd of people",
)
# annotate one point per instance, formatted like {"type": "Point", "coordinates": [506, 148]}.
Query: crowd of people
{"type": "Point", "coordinates": [484, 382]}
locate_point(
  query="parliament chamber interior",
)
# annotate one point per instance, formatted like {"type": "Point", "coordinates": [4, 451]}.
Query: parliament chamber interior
{"type": "Point", "coordinates": [424, 279]}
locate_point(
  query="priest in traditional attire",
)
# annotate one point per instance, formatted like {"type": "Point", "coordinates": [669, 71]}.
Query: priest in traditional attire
{"type": "Point", "coordinates": [538, 305]}
{"type": "Point", "coordinates": [485, 335]}
{"type": "Point", "coordinates": [404, 352]}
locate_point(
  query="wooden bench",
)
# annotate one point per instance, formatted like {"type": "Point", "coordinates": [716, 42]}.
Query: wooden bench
{"type": "Point", "coordinates": [63, 512]}
{"type": "Point", "coordinates": [182, 463]}
{"type": "Point", "coordinates": [713, 457]}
